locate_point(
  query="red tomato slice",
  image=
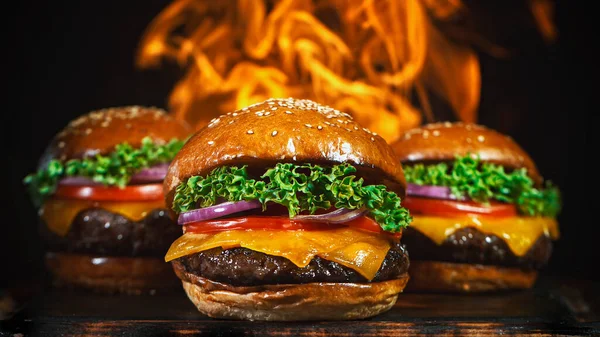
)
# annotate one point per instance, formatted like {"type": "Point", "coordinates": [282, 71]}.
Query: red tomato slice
{"type": "Point", "coordinates": [451, 208]}
{"type": "Point", "coordinates": [277, 223]}
{"type": "Point", "coordinates": [147, 192]}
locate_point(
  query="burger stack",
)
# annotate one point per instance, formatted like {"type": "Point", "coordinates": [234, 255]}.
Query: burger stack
{"type": "Point", "coordinates": [289, 210]}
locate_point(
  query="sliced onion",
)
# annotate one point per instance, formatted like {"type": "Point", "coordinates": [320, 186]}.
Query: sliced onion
{"type": "Point", "coordinates": [217, 211]}
{"type": "Point", "coordinates": [151, 174]}
{"type": "Point", "coordinates": [338, 216]}
{"type": "Point", "coordinates": [78, 181]}
{"type": "Point", "coordinates": [428, 191]}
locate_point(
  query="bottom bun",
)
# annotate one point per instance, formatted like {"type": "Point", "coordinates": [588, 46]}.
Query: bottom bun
{"type": "Point", "coordinates": [431, 276]}
{"type": "Point", "coordinates": [292, 302]}
{"type": "Point", "coordinates": [108, 274]}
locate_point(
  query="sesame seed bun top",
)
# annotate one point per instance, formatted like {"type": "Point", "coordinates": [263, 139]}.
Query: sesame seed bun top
{"type": "Point", "coordinates": [99, 131]}
{"type": "Point", "coordinates": [284, 130]}
{"type": "Point", "coordinates": [438, 142]}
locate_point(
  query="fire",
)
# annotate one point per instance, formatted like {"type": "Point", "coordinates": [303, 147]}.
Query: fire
{"type": "Point", "coordinates": [378, 60]}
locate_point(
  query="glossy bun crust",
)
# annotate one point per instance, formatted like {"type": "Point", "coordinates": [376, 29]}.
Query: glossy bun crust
{"type": "Point", "coordinates": [443, 141]}
{"type": "Point", "coordinates": [99, 131]}
{"type": "Point", "coordinates": [432, 276]}
{"type": "Point", "coordinates": [129, 275]}
{"type": "Point", "coordinates": [292, 302]}
{"type": "Point", "coordinates": [283, 130]}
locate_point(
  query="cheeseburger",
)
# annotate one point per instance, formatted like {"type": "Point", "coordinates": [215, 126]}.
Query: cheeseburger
{"type": "Point", "coordinates": [484, 219]}
{"type": "Point", "coordinates": [291, 211]}
{"type": "Point", "coordinates": [99, 192]}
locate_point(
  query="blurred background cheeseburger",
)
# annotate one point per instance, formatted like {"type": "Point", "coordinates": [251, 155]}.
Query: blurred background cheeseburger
{"type": "Point", "coordinates": [291, 211]}
{"type": "Point", "coordinates": [99, 193]}
{"type": "Point", "coordinates": [483, 219]}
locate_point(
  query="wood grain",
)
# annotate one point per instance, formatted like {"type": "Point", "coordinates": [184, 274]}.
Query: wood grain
{"type": "Point", "coordinates": [568, 308]}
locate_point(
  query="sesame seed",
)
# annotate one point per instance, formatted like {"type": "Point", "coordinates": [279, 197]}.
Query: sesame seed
{"type": "Point", "coordinates": [469, 140]}
{"type": "Point", "coordinates": [250, 132]}
{"type": "Point", "coordinates": [267, 113]}
{"type": "Point", "coordinates": [231, 121]}
{"type": "Point", "coordinates": [288, 112]}
{"type": "Point", "coordinates": [481, 138]}
{"type": "Point", "coordinates": [259, 114]}
{"type": "Point", "coordinates": [61, 144]}
{"type": "Point", "coordinates": [319, 127]}
{"type": "Point", "coordinates": [435, 133]}
{"type": "Point", "coordinates": [274, 133]}
{"type": "Point", "coordinates": [308, 125]}
{"type": "Point", "coordinates": [245, 109]}
{"type": "Point", "coordinates": [88, 130]}
{"type": "Point", "coordinates": [210, 142]}
{"type": "Point", "coordinates": [372, 139]}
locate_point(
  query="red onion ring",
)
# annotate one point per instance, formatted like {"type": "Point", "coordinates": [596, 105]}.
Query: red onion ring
{"type": "Point", "coordinates": [217, 211]}
{"type": "Point", "coordinates": [428, 191]}
{"type": "Point", "coordinates": [338, 216]}
{"type": "Point", "coordinates": [155, 173]}
{"type": "Point", "coordinates": [152, 174]}
{"type": "Point", "coordinates": [78, 181]}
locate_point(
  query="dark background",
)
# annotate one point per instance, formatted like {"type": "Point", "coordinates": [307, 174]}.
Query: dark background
{"type": "Point", "coordinates": [67, 58]}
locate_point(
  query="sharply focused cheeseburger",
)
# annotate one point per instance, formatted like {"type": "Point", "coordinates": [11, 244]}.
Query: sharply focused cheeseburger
{"type": "Point", "coordinates": [484, 219]}
{"type": "Point", "coordinates": [291, 211]}
{"type": "Point", "coordinates": [99, 193]}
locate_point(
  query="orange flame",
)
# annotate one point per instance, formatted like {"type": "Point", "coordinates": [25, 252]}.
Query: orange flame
{"type": "Point", "coordinates": [366, 57]}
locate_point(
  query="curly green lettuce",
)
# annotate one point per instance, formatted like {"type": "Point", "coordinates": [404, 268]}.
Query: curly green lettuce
{"type": "Point", "coordinates": [300, 188]}
{"type": "Point", "coordinates": [482, 182]}
{"type": "Point", "coordinates": [113, 169]}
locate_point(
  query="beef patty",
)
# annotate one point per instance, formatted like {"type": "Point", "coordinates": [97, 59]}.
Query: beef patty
{"type": "Point", "coordinates": [96, 231]}
{"type": "Point", "coordinates": [469, 245]}
{"type": "Point", "coordinates": [245, 267]}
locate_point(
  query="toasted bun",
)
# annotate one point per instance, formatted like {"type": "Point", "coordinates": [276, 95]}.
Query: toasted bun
{"type": "Point", "coordinates": [99, 131]}
{"type": "Point", "coordinates": [292, 302]}
{"type": "Point", "coordinates": [130, 275]}
{"type": "Point", "coordinates": [431, 276]}
{"type": "Point", "coordinates": [443, 141]}
{"type": "Point", "coordinates": [283, 130]}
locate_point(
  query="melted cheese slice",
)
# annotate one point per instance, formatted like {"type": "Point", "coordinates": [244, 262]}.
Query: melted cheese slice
{"type": "Point", "coordinates": [518, 232]}
{"type": "Point", "coordinates": [58, 214]}
{"type": "Point", "coordinates": [359, 250]}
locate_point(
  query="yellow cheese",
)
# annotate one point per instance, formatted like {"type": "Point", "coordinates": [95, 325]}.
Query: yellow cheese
{"type": "Point", "coordinates": [58, 214]}
{"type": "Point", "coordinates": [356, 249]}
{"type": "Point", "coordinates": [518, 232]}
